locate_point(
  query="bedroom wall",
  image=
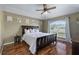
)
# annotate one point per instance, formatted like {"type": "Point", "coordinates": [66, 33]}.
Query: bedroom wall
{"type": "Point", "coordinates": [74, 26]}
{"type": "Point", "coordinates": [14, 27]}
{"type": "Point", "coordinates": [45, 25]}
{"type": "Point", "coordinates": [1, 28]}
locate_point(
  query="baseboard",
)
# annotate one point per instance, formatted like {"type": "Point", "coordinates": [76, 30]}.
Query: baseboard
{"type": "Point", "coordinates": [8, 43]}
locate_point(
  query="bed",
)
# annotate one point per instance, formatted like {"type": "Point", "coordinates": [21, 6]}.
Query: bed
{"type": "Point", "coordinates": [37, 40]}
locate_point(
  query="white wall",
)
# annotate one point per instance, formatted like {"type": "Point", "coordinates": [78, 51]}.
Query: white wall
{"type": "Point", "coordinates": [74, 27]}
{"type": "Point", "coordinates": [0, 29]}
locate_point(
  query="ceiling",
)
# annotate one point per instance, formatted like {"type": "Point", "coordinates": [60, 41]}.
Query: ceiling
{"type": "Point", "coordinates": [30, 10]}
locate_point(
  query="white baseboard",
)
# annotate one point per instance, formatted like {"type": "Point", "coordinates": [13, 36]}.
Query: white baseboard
{"type": "Point", "coordinates": [8, 43]}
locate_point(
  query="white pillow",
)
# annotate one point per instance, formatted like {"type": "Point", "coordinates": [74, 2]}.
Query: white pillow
{"type": "Point", "coordinates": [32, 30]}
{"type": "Point", "coordinates": [27, 31]}
{"type": "Point", "coordinates": [36, 30]}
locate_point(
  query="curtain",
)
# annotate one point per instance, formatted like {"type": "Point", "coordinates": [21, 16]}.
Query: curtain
{"type": "Point", "coordinates": [67, 30]}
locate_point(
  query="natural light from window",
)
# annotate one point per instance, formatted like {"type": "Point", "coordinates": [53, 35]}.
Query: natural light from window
{"type": "Point", "coordinates": [59, 28]}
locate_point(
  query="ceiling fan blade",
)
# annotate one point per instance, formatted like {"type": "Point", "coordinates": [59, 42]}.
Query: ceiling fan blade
{"type": "Point", "coordinates": [48, 11]}
{"type": "Point", "coordinates": [40, 10]}
{"type": "Point", "coordinates": [51, 8]}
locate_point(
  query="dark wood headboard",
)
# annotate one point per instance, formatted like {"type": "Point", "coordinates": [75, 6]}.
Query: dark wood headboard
{"type": "Point", "coordinates": [28, 27]}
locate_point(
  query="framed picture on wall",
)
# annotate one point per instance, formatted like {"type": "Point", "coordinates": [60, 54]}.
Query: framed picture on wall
{"type": "Point", "coordinates": [9, 18]}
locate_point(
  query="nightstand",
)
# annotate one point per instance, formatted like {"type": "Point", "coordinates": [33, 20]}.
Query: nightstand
{"type": "Point", "coordinates": [17, 39]}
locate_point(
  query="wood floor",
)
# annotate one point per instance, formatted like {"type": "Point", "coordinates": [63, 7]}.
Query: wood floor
{"type": "Point", "coordinates": [23, 49]}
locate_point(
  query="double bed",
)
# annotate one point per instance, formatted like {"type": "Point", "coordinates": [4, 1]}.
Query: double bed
{"type": "Point", "coordinates": [37, 40]}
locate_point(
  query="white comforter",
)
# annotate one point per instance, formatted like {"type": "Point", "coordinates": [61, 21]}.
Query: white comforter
{"type": "Point", "coordinates": [30, 39]}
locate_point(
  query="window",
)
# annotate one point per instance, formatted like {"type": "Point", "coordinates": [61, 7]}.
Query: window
{"type": "Point", "coordinates": [58, 27]}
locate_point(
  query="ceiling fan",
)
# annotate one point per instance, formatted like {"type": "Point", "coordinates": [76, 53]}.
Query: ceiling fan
{"type": "Point", "coordinates": [46, 9]}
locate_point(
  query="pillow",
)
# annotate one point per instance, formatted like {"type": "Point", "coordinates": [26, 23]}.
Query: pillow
{"type": "Point", "coordinates": [36, 30]}
{"type": "Point", "coordinates": [27, 31]}
{"type": "Point", "coordinates": [32, 30]}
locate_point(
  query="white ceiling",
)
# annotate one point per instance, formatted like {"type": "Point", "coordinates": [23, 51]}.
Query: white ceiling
{"type": "Point", "coordinates": [30, 10]}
